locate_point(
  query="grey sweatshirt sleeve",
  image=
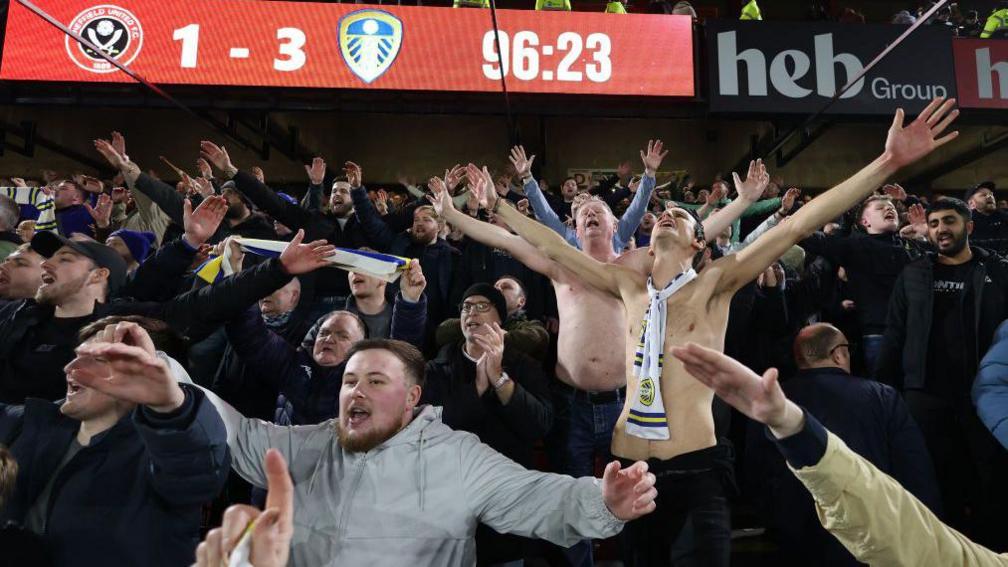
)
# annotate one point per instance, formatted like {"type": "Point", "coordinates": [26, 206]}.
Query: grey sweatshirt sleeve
{"type": "Point", "coordinates": [249, 439]}
{"type": "Point", "coordinates": [512, 499]}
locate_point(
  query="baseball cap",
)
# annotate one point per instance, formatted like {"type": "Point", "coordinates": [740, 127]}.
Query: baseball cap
{"type": "Point", "coordinates": [47, 243]}
{"type": "Point", "coordinates": [984, 185]}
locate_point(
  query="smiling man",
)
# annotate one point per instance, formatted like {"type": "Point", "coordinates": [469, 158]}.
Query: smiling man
{"type": "Point", "coordinates": [667, 416]}
{"type": "Point", "coordinates": [990, 225]}
{"type": "Point", "coordinates": [943, 314]}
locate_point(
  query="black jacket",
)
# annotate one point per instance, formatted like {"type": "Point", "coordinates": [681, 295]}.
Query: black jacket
{"type": "Point", "coordinates": [873, 421]}
{"type": "Point", "coordinates": [317, 226]}
{"type": "Point", "coordinates": [903, 360]}
{"type": "Point", "coordinates": [480, 263]}
{"type": "Point", "coordinates": [192, 314]}
{"type": "Point", "coordinates": [990, 231]}
{"type": "Point", "coordinates": [512, 430]}
{"type": "Point", "coordinates": [133, 496]}
{"type": "Point", "coordinates": [873, 262]}
{"type": "Point", "coordinates": [171, 202]}
{"type": "Point", "coordinates": [437, 260]}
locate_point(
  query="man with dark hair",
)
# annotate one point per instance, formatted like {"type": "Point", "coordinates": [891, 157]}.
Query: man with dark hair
{"type": "Point", "coordinates": [116, 478]}
{"type": "Point", "coordinates": [870, 417]}
{"type": "Point", "coordinates": [943, 313]}
{"type": "Point", "coordinates": [872, 258]}
{"type": "Point", "coordinates": [990, 225]}
{"type": "Point", "coordinates": [670, 304]}
{"type": "Point", "coordinates": [72, 216]}
{"type": "Point", "coordinates": [388, 480]}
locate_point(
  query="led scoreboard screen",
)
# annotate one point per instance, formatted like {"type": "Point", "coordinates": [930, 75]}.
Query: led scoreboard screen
{"type": "Point", "coordinates": [352, 46]}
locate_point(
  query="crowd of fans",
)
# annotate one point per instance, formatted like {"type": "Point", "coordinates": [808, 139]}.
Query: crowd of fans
{"type": "Point", "coordinates": [167, 351]}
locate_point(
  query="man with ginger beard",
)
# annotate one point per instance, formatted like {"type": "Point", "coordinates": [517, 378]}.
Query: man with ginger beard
{"type": "Point", "coordinates": [421, 241]}
{"type": "Point", "coordinates": [308, 377]}
{"type": "Point", "coordinates": [388, 480]}
{"type": "Point", "coordinates": [943, 313]}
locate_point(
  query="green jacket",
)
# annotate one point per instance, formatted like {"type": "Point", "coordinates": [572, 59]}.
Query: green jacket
{"type": "Point", "coordinates": [553, 5]}
{"type": "Point", "coordinates": [996, 22]}
{"type": "Point", "coordinates": [615, 8]}
{"type": "Point", "coordinates": [751, 11]}
{"type": "Point", "coordinates": [471, 4]}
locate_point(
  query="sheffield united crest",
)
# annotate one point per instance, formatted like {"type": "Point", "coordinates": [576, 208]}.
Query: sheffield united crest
{"type": "Point", "coordinates": [369, 41]}
{"type": "Point", "coordinates": [115, 31]}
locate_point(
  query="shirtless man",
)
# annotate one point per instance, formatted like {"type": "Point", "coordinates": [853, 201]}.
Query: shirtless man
{"type": "Point", "coordinates": [591, 350]}
{"type": "Point", "coordinates": [679, 306]}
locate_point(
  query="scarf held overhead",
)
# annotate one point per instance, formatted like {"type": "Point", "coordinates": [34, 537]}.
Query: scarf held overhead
{"type": "Point", "coordinates": [382, 266]}
{"type": "Point", "coordinates": [647, 418]}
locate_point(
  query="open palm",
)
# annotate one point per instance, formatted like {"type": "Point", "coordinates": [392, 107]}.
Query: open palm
{"type": "Point", "coordinates": [907, 144]}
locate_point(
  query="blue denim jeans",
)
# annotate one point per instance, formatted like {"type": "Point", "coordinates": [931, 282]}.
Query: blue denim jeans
{"type": "Point", "coordinates": [590, 435]}
{"type": "Point", "coordinates": [871, 346]}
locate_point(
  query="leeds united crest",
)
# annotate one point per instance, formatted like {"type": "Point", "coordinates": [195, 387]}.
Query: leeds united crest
{"type": "Point", "coordinates": [369, 41]}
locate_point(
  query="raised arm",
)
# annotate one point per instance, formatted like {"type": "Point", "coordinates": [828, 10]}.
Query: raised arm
{"type": "Point", "coordinates": [749, 192]}
{"type": "Point", "coordinates": [543, 211]}
{"type": "Point", "coordinates": [491, 235]}
{"type": "Point", "coordinates": [875, 518]}
{"type": "Point", "coordinates": [601, 276]}
{"type": "Point", "coordinates": [904, 146]}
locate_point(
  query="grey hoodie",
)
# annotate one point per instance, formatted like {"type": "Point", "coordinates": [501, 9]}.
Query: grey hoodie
{"type": "Point", "coordinates": [416, 498]}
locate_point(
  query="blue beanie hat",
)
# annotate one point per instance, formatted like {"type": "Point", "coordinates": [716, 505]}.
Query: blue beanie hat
{"type": "Point", "coordinates": [139, 243]}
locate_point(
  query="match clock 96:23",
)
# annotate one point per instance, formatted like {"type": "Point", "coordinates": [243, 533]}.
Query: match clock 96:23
{"type": "Point", "coordinates": [571, 57]}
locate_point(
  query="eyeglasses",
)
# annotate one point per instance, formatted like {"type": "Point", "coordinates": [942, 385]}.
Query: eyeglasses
{"type": "Point", "coordinates": [479, 307]}
{"type": "Point", "coordinates": [841, 345]}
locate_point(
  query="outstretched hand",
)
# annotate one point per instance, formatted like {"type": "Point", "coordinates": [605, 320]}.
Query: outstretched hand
{"type": "Point", "coordinates": [115, 158]}
{"type": "Point", "coordinates": [120, 361]}
{"type": "Point", "coordinates": [316, 171]}
{"type": "Point", "coordinates": [629, 493]}
{"type": "Point", "coordinates": [354, 174]}
{"type": "Point", "coordinates": [300, 258]}
{"type": "Point", "coordinates": [439, 197]}
{"type": "Point", "coordinates": [759, 398]}
{"type": "Point", "coordinates": [755, 183]}
{"type": "Point", "coordinates": [202, 223]}
{"type": "Point", "coordinates": [905, 145]}
{"type": "Point", "coordinates": [788, 200]}
{"type": "Point", "coordinates": [218, 156]}
{"type": "Point", "coordinates": [102, 211]}
{"type": "Point", "coordinates": [653, 157]}
{"type": "Point", "coordinates": [271, 530]}
{"type": "Point", "coordinates": [521, 162]}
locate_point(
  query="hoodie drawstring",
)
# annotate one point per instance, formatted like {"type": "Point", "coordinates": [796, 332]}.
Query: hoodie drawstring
{"type": "Point", "coordinates": [422, 474]}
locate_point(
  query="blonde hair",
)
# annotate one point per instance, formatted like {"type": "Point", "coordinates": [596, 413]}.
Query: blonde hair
{"type": "Point", "coordinates": [582, 199]}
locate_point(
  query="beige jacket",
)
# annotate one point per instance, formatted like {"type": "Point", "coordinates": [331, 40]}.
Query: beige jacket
{"type": "Point", "coordinates": [878, 521]}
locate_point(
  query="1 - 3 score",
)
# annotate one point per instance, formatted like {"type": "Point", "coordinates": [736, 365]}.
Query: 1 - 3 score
{"type": "Point", "coordinates": [520, 57]}
{"type": "Point", "coordinates": [292, 41]}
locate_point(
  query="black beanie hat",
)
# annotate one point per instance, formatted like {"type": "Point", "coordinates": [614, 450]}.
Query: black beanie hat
{"type": "Point", "coordinates": [490, 292]}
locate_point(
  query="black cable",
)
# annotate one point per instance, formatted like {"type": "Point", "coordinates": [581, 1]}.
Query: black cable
{"type": "Point", "coordinates": [777, 145]}
{"type": "Point", "coordinates": [512, 132]}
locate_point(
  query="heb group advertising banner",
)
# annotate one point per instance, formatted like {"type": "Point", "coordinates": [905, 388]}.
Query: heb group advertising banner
{"type": "Point", "coordinates": [981, 67]}
{"type": "Point", "coordinates": [784, 68]}
{"type": "Point", "coordinates": [353, 46]}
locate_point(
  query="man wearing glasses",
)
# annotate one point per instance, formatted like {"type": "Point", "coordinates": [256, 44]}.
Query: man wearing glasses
{"type": "Point", "coordinates": [494, 391]}
{"type": "Point", "coordinates": [870, 417]}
